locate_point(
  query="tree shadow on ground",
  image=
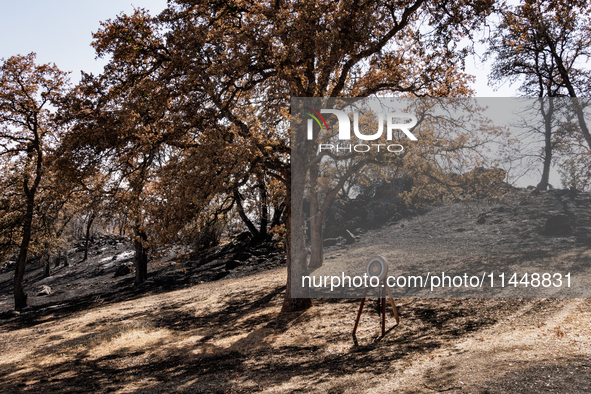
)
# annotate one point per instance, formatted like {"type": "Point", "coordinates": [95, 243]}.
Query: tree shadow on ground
{"type": "Point", "coordinates": [550, 375]}
{"type": "Point", "coordinates": [243, 343]}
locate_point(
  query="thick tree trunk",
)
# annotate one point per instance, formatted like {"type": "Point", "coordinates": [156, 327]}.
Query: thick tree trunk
{"type": "Point", "coordinates": [46, 266]}
{"type": "Point", "coordinates": [141, 258]}
{"type": "Point", "coordinates": [277, 214]}
{"type": "Point", "coordinates": [318, 211]}
{"type": "Point", "coordinates": [20, 297]}
{"type": "Point", "coordinates": [295, 246]}
{"type": "Point", "coordinates": [121, 223]}
{"type": "Point", "coordinates": [582, 122]}
{"type": "Point", "coordinates": [87, 236]}
{"type": "Point", "coordinates": [548, 146]}
{"type": "Point", "coordinates": [316, 245]}
{"type": "Point", "coordinates": [571, 90]}
{"type": "Point", "coordinates": [264, 211]}
{"type": "Point", "coordinates": [251, 227]}
{"type": "Point", "coordinates": [316, 222]}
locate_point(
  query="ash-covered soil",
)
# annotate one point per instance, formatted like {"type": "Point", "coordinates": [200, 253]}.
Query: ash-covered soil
{"type": "Point", "coordinates": [83, 283]}
{"type": "Point", "coordinates": [211, 322]}
{"type": "Point", "coordinates": [525, 232]}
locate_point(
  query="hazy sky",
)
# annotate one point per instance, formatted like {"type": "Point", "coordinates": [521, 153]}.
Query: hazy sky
{"type": "Point", "coordinates": [60, 31]}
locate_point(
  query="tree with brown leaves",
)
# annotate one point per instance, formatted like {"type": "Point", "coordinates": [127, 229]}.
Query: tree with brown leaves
{"type": "Point", "coordinates": [28, 135]}
{"type": "Point", "coordinates": [242, 60]}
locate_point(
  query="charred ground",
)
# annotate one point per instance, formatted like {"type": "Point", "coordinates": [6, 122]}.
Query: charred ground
{"type": "Point", "coordinates": [210, 322]}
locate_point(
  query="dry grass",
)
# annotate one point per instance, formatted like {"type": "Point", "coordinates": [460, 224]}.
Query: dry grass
{"type": "Point", "coordinates": [229, 336]}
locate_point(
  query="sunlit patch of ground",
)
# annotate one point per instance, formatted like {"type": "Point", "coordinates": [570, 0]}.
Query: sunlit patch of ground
{"type": "Point", "coordinates": [229, 336]}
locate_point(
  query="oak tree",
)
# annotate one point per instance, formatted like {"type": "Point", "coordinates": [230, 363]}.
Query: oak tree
{"type": "Point", "coordinates": [28, 135]}
{"type": "Point", "coordinates": [545, 45]}
{"type": "Point", "coordinates": [242, 60]}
